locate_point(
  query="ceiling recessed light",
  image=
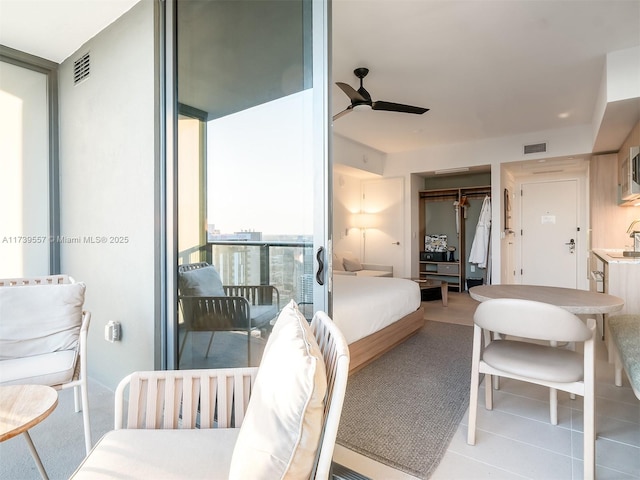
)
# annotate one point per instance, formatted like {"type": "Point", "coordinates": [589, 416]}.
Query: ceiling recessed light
{"type": "Point", "coordinates": [564, 115]}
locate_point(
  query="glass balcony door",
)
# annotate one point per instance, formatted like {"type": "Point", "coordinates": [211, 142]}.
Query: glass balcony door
{"type": "Point", "coordinates": [251, 169]}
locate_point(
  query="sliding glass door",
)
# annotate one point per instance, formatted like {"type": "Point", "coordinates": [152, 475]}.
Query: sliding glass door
{"type": "Point", "coordinates": [251, 168]}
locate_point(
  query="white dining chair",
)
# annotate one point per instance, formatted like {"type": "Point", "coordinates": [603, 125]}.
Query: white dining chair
{"type": "Point", "coordinates": [556, 368]}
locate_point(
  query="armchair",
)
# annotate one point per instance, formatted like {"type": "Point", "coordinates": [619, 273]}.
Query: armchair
{"type": "Point", "coordinates": [209, 306]}
{"type": "Point", "coordinates": [43, 337]}
{"type": "Point", "coordinates": [279, 420]}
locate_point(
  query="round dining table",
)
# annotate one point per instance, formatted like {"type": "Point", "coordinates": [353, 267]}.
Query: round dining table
{"type": "Point", "coordinates": [23, 407]}
{"type": "Point", "coordinates": [571, 299]}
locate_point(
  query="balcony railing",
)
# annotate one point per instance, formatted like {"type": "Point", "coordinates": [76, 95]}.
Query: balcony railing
{"type": "Point", "coordinates": [287, 265]}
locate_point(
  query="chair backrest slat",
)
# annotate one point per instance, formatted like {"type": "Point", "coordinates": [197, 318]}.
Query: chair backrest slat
{"type": "Point", "coordinates": [335, 351]}
{"type": "Point", "coordinates": [186, 398]}
{"type": "Point", "coordinates": [41, 280]}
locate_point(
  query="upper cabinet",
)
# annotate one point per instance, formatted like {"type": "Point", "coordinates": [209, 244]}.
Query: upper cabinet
{"type": "Point", "coordinates": [628, 194]}
{"type": "Point", "coordinates": [629, 176]}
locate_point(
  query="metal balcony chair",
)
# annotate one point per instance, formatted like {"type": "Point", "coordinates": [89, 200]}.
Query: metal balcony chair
{"type": "Point", "coordinates": [209, 306]}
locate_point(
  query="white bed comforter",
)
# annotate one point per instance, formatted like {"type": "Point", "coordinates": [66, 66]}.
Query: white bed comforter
{"type": "Point", "coordinates": [364, 305]}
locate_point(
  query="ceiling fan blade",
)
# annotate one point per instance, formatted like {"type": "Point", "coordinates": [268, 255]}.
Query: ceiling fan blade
{"type": "Point", "coordinates": [343, 112]}
{"type": "Point", "coordinates": [398, 107]}
{"type": "Point", "coordinates": [351, 92]}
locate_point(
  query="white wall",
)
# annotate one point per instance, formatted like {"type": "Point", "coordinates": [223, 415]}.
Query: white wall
{"type": "Point", "coordinates": [492, 151]}
{"type": "Point", "coordinates": [623, 74]}
{"type": "Point", "coordinates": [353, 163]}
{"type": "Point", "coordinates": [356, 155]}
{"type": "Point", "coordinates": [107, 165]}
{"type": "Point", "coordinates": [346, 203]}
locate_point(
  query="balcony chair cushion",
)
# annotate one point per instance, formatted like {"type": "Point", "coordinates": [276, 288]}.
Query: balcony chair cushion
{"type": "Point", "coordinates": [263, 314]}
{"type": "Point", "coordinates": [201, 282]}
{"type": "Point", "coordinates": [53, 368]}
{"type": "Point", "coordinates": [160, 454]}
{"type": "Point", "coordinates": [281, 431]}
{"type": "Point", "coordinates": [39, 319]}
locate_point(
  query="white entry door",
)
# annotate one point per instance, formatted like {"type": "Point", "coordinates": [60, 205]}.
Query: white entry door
{"type": "Point", "coordinates": [383, 200]}
{"type": "Point", "coordinates": [549, 233]}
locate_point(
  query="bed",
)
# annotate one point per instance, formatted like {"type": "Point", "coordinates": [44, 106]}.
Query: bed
{"type": "Point", "coordinates": [375, 314]}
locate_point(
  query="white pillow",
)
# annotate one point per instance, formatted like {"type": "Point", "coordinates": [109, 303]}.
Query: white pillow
{"type": "Point", "coordinates": [337, 262]}
{"type": "Point", "coordinates": [352, 264]}
{"type": "Point", "coordinates": [201, 282]}
{"type": "Point", "coordinates": [39, 319]}
{"type": "Point", "coordinates": [281, 432]}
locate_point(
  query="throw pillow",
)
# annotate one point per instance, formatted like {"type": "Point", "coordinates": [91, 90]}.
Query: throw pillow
{"type": "Point", "coordinates": [281, 431]}
{"type": "Point", "coordinates": [337, 262]}
{"type": "Point", "coordinates": [352, 264]}
{"type": "Point", "coordinates": [201, 282]}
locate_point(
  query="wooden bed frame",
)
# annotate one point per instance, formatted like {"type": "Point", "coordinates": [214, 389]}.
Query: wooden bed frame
{"type": "Point", "coordinates": [367, 349]}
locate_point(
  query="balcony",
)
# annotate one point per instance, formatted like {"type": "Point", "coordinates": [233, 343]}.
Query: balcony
{"type": "Point", "coordinates": [286, 264]}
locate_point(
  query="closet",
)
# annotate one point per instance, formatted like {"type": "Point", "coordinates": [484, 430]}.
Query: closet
{"type": "Point", "coordinates": [454, 213]}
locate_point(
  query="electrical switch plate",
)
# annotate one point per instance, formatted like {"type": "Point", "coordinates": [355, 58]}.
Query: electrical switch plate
{"type": "Point", "coordinates": [112, 331]}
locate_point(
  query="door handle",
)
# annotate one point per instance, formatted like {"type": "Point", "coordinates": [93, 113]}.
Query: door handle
{"type": "Point", "coordinates": [320, 272]}
{"type": "Point", "coordinates": [395, 243]}
{"type": "Point", "coordinates": [572, 245]}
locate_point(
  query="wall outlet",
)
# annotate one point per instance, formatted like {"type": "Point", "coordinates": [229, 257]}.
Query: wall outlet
{"type": "Point", "coordinates": [112, 331]}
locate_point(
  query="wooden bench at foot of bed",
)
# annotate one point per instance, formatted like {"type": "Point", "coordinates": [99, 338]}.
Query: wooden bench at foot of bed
{"type": "Point", "coordinates": [367, 349]}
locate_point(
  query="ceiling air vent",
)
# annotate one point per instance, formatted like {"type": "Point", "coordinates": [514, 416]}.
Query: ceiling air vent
{"type": "Point", "coordinates": [81, 69]}
{"type": "Point", "coordinates": [535, 148]}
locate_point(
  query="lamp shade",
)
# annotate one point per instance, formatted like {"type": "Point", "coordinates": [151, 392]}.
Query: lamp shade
{"type": "Point", "coordinates": [362, 220]}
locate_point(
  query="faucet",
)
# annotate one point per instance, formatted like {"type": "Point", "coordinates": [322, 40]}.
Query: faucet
{"type": "Point", "coordinates": [635, 234]}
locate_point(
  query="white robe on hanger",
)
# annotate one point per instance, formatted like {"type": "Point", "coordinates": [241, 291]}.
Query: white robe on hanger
{"type": "Point", "coordinates": [480, 245]}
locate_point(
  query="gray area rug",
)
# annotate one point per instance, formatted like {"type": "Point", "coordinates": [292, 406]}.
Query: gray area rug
{"type": "Point", "coordinates": [403, 409]}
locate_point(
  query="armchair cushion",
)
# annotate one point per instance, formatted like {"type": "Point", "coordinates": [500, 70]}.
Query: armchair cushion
{"type": "Point", "coordinates": [49, 319]}
{"type": "Point", "coordinates": [53, 368]}
{"type": "Point", "coordinates": [281, 431]}
{"type": "Point", "coordinates": [165, 454]}
{"type": "Point", "coordinates": [201, 282]}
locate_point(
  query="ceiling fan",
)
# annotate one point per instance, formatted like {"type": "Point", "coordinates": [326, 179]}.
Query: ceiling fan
{"type": "Point", "coordinates": [361, 97]}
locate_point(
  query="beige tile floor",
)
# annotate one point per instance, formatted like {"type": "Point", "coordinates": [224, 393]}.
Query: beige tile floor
{"type": "Point", "coordinates": [515, 440]}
